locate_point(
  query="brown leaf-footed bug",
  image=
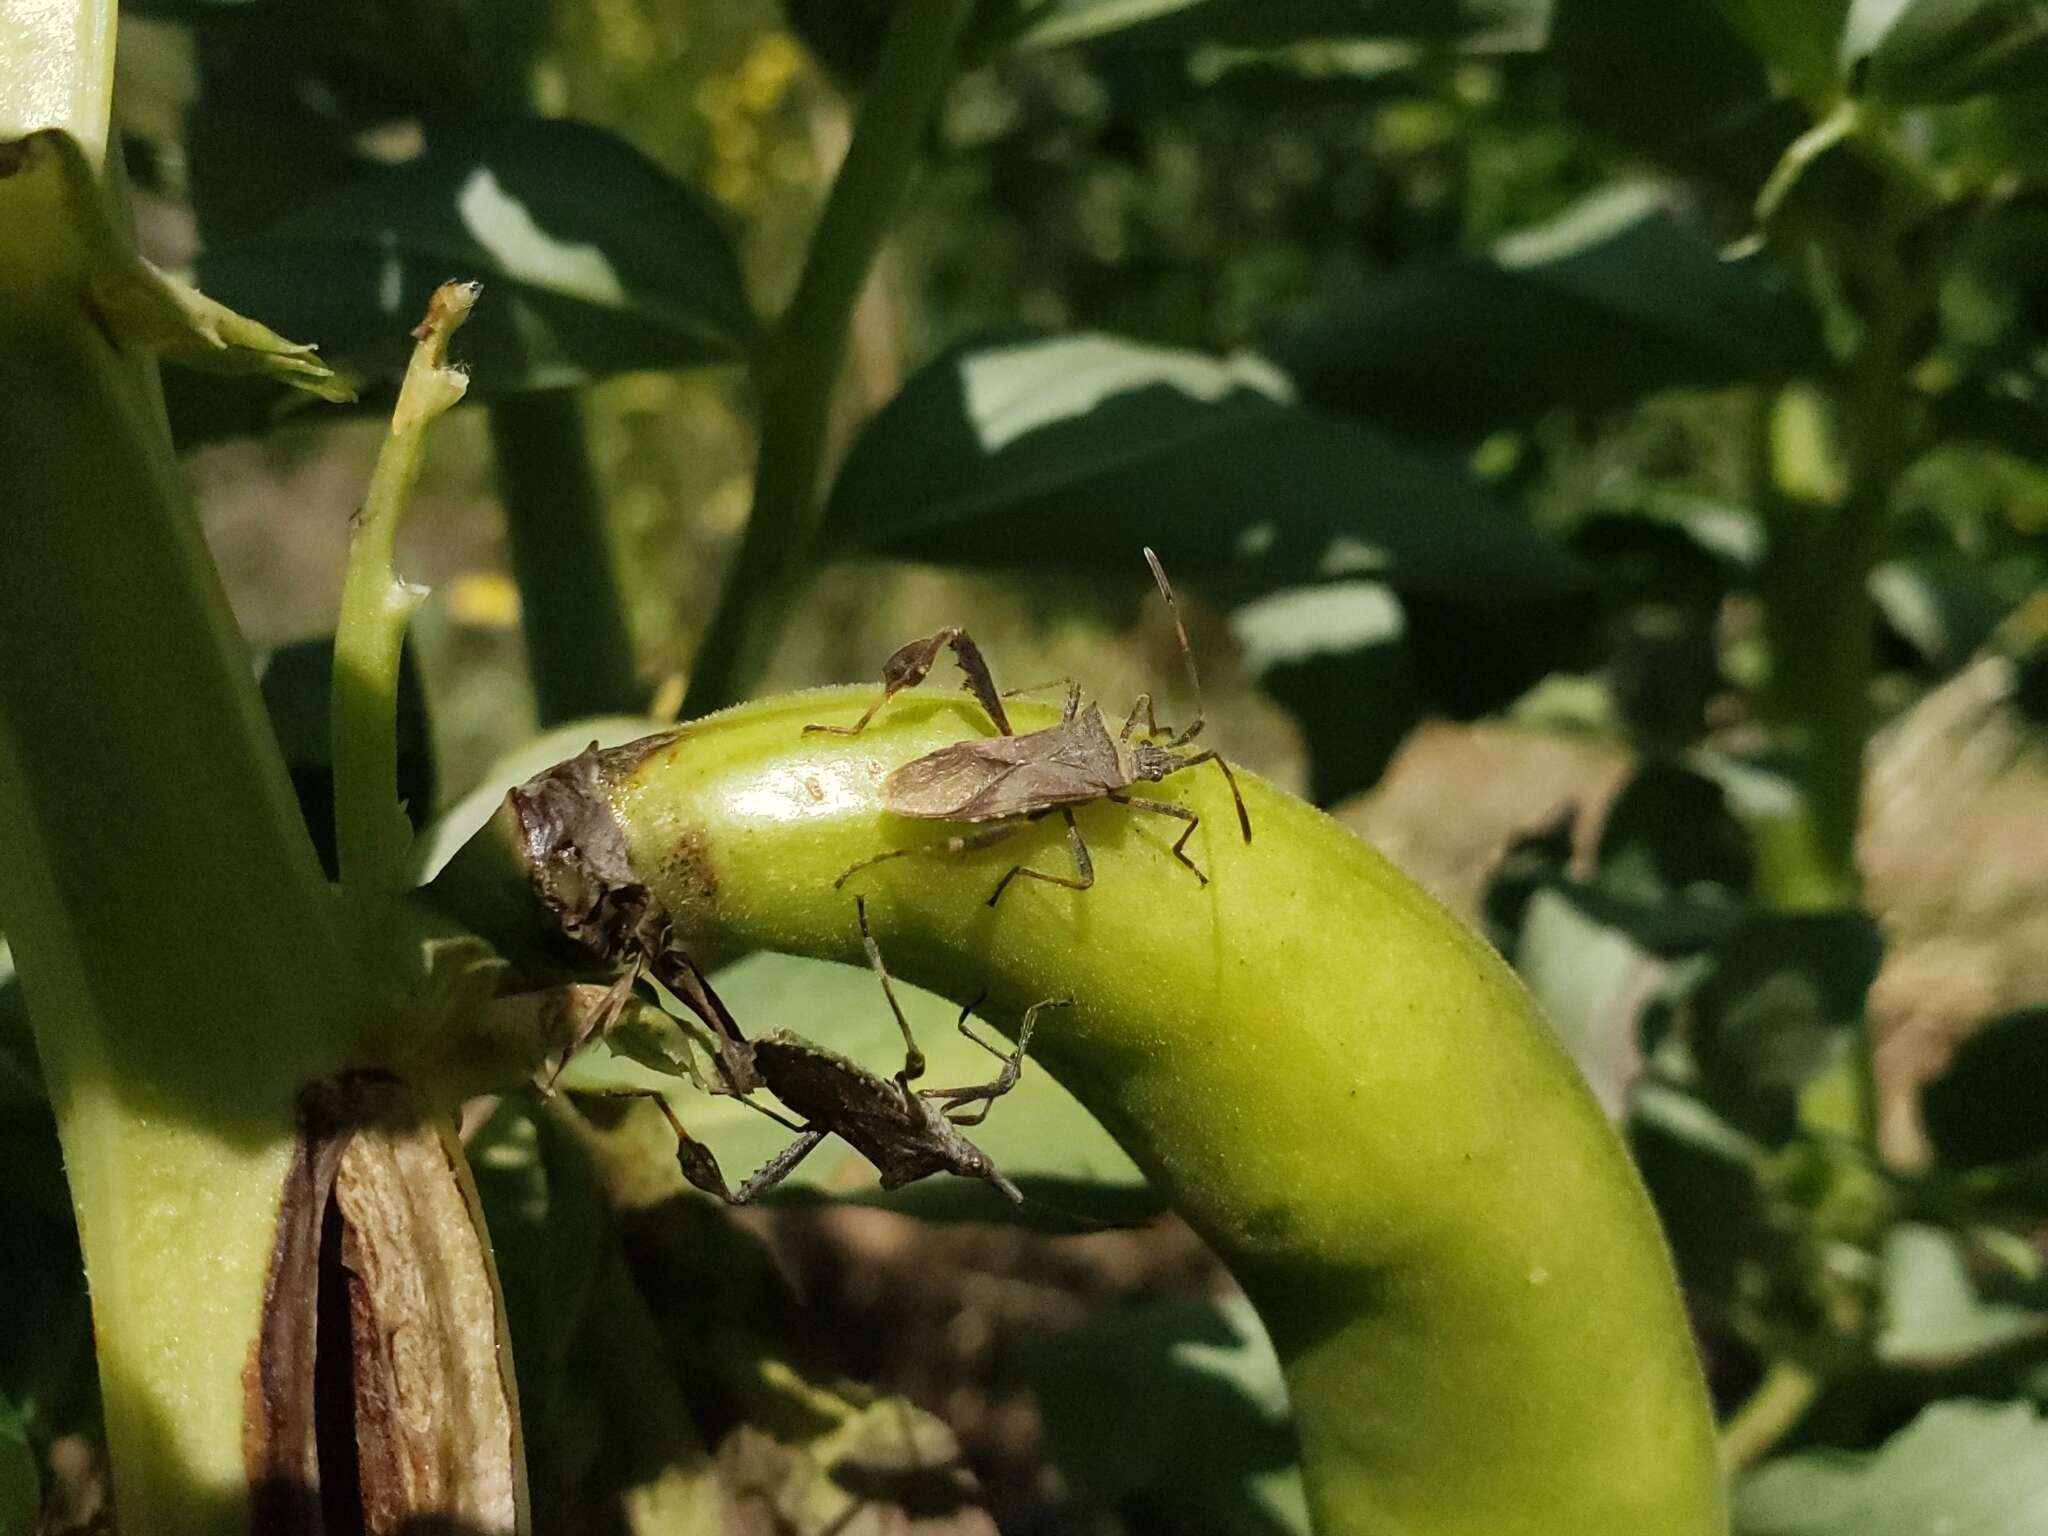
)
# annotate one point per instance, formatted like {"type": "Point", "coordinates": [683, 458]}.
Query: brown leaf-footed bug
{"type": "Point", "coordinates": [1011, 781]}
{"type": "Point", "coordinates": [907, 1133]}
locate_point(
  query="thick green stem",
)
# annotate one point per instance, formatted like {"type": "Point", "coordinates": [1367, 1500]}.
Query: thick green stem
{"type": "Point", "coordinates": [578, 650]}
{"type": "Point", "coordinates": [370, 830]}
{"type": "Point", "coordinates": [176, 940]}
{"type": "Point", "coordinates": [1347, 1093]}
{"type": "Point", "coordinates": [805, 358]}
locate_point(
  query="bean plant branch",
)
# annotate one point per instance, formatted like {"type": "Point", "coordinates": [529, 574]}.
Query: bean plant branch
{"type": "Point", "coordinates": [369, 823]}
{"type": "Point", "coordinates": [175, 937]}
{"type": "Point", "coordinates": [804, 358]}
{"type": "Point", "coordinates": [1770, 1413]}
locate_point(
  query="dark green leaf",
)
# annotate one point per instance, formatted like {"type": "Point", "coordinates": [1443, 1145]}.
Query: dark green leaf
{"type": "Point", "coordinates": [1212, 1449]}
{"type": "Point", "coordinates": [1669, 831]}
{"type": "Point", "coordinates": [1702, 1175]}
{"type": "Point", "coordinates": [593, 260]}
{"type": "Point", "coordinates": [1492, 26]}
{"type": "Point", "coordinates": [1775, 1009]}
{"type": "Point", "coordinates": [1619, 296]}
{"type": "Point", "coordinates": [1037, 1135]}
{"type": "Point", "coordinates": [31, 1162]}
{"type": "Point", "coordinates": [1081, 449]}
{"type": "Point", "coordinates": [1969, 1468]}
{"type": "Point", "coordinates": [297, 687]}
{"type": "Point", "coordinates": [1665, 79]}
{"type": "Point", "coordinates": [1990, 1103]}
{"type": "Point", "coordinates": [1336, 656]}
{"type": "Point", "coordinates": [1915, 51]}
{"type": "Point", "coordinates": [1531, 863]}
{"type": "Point", "coordinates": [21, 1489]}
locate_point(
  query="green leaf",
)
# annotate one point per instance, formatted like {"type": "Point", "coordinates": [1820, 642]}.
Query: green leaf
{"type": "Point", "coordinates": [1037, 1135]}
{"type": "Point", "coordinates": [1799, 40]}
{"type": "Point", "coordinates": [1967, 1468]}
{"type": "Point", "coordinates": [549, 1233]}
{"type": "Point", "coordinates": [1212, 1449]}
{"type": "Point", "coordinates": [1990, 1103]}
{"type": "Point", "coordinates": [595, 260]}
{"type": "Point", "coordinates": [1920, 51]}
{"type": "Point", "coordinates": [138, 305]}
{"type": "Point", "coordinates": [880, 1465]}
{"type": "Point", "coordinates": [1081, 449]}
{"type": "Point", "coordinates": [1943, 607]}
{"type": "Point", "coordinates": [1619, 296]}
{"type": "Point", "coordinates": [1478, 26]}
{"type": "Point", "coordinates": [1934, 1318]}
{"type": "Point", "coordinates": [1594, 983]}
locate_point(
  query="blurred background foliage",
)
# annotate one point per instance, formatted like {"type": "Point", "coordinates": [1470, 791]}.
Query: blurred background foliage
{"type": "Point", "coordinates": [1581, 434]}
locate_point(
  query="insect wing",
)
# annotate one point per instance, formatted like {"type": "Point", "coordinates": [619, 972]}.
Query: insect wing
{"type": "Point", "coordinates": [940, 784]}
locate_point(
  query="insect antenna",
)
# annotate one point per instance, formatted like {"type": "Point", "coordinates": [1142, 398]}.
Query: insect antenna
{"type": "Point", "coordinates": [1187, 652]}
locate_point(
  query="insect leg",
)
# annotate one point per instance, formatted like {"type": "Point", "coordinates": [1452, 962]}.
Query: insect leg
{"type": "Point", "coordinates": [780, 1166]}
{"type": "Point", "coordinates": [1179, 812]}
{"type": "Point", "coordinates": [1084, 867]}
{"type": "Point", "coordinates": [913, 1058]}
{"type": "Point", "coordinates": [1142, 707]}
{"type": "Point", "coordinates": [678, 972]}
{"type": "Point", "coordinates": [911, 664]}
{"type": "Point", "coordinates": [982, 837]}
{"type": "Point", "coordinates": [692, 1156]}
{"type": "Point", "coordinates": [1244, 820]}
{"type": "Point", "coordinates": [978, 683]}
{"type": "Point", "coordinates": [596, 1023]}
{"type": "Point", "coordinates": [1005, 1080]}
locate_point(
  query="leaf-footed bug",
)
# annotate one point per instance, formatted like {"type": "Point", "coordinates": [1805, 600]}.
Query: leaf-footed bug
{"type": "Point", "coordinates": [1011, 781]}
{"type": "Point", "coordinates": [907, 1133]}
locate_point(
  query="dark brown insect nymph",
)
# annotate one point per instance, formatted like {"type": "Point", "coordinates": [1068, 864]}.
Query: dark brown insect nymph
{"type": "Point", "coordinates": [907, 1133]}
{"type": "Point", "coordinates": [1011, 781]}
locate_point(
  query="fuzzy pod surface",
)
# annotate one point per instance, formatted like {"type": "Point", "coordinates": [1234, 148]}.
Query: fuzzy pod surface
{"type": "Point", "coordinates": [1339, 1085]}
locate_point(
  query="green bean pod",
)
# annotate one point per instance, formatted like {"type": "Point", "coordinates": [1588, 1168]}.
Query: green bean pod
{"type": "Point", "coordinates": [1343, 1089]}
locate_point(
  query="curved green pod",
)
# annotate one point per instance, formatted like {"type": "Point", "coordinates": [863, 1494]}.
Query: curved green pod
{"type": "Point", "coordinates": [1339, 1086]}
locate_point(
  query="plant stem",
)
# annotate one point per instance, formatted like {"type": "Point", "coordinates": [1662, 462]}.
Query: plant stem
{"type": "Point", "coordinates": [176, 939]}
{"type": "Point", "coordinates": [578, 651]}
{"type": "Point", "coordinates": [57, 70]}
{"type": "Point", "coordinates": [804, 360]}
{"type": "Point", "coordinates": [1768, 1415]}
{"type": "Point", "coordinates": [370, 829]}
{"type": "Point", "coordinates": [1817, 575]}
